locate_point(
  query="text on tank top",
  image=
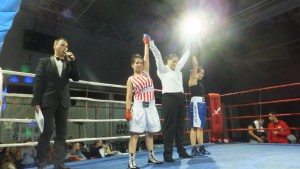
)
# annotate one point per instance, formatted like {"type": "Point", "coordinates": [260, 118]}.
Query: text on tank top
{"type": "Point", "coordinates": [143, 87]}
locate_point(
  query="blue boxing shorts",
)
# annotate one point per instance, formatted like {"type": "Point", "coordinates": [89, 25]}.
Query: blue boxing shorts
{"type": "Point", "coordinates": [197, 112]}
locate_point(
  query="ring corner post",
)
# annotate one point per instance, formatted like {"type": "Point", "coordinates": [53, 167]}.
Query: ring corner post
{"type": "Point", "coordinates": [216, 124]}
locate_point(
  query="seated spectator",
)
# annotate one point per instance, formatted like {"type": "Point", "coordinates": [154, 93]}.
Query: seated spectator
{"type": "Point", "coordinates": [6, 154]}
{"type": "Point", "coordinates": [107, 149]}
{"type": "Point", "coordinates": [95, 150]}
{"type": "Point", "coordinates": [75, 154]}
{"type": "Point", "coordinates": [256, 131]}
{"type": "Point", "coordinates": [8, 163]}
{"type": "Point", "coordinates": [278, 130]}
{"type": "Point", "coordinates": [69, 145]}
{"type": "Point", "coordinates": [85, 150]}
{"type": "Point", "coordinates": [28, 155]}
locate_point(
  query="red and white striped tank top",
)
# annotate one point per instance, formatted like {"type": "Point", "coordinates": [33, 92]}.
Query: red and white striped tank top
{"type": "Point", "coordinates": [143, 87]}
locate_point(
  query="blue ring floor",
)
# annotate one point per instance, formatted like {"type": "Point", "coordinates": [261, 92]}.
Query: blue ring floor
{"type": "Point", "coordinates": [224, 156]}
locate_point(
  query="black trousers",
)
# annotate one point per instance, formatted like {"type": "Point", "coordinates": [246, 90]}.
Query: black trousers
{"type": "Point", "coordinates": [58, 116]}
{"type": "Point", "coordinates": [173, 128]}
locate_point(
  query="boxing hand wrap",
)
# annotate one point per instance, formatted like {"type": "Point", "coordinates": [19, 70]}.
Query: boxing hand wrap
{"type": "Point", "coordinates": [128, 115]}
{"type": "Point", "coordinates": [146, 39]}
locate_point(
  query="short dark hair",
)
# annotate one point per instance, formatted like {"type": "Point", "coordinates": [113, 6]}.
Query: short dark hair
{"type": "Point", "coordinates": [97, 141]}
{"type": "Point", "coordinates": [135, 56]}
{"type": "Point", "coordinates": [273, 113]}
{"type": "Point", "coordinates": [59, 39]}
{"type": "Point", "coordinates": [73, 144]}
{"type": "Point", "coordinates": [170, 56]}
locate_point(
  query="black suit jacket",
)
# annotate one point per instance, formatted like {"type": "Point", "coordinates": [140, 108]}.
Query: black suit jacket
{"type": "Point", "coordinates": [50, 89]}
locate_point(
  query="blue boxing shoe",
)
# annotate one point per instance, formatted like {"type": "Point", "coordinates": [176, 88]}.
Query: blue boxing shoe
{"type": "Point", "coordinates": [203, 151]}
{"type": "Point", "coordinates": [195, 151]}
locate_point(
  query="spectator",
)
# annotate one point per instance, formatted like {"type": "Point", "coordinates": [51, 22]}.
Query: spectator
{"type": "Point", "coordinates": [85, 150]}
{"type": "Point", "coordinates": [28, 155]}
{"type": "Point", "coordinates": [256, 131]}
{"type": "Point", "coordinates": [107, 148]}
{"type": "Point", "coordinates": [69, 145]}
{"type": "Point", "coordinates": [75, 154]}
{"type": "Point", "coordinates": [95, 150]}
{"type": "Point", "coordinates": [6, 154]}
{"type": "Point", "coordinates": [278, 130]}
{"type": "Point", "coordinates": [8, 163]}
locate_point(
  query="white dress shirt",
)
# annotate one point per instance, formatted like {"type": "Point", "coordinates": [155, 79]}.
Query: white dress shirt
{"type": "Point", "coordinates": [171, 80]}
{"type": "Point", "coordinates": [59, 66]}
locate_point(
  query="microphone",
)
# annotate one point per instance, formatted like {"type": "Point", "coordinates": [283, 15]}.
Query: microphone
{"type": "Point", "coordinates": [70, 56]}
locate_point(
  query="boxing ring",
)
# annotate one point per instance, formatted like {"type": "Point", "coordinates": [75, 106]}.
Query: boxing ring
{"type": "Point", "coordinates": [225, 156]}
{"type": "Point", "coordinates": [231, 155]}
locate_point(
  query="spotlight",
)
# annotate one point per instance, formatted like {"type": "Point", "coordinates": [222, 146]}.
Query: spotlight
{"type": "Point", "coordinates": [192, 26]}
{"type": "Point", "coordinates": [198, 25]}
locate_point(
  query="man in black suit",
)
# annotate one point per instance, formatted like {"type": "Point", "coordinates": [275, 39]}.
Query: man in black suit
{"type": "Point", "coordinates": [51, 95]}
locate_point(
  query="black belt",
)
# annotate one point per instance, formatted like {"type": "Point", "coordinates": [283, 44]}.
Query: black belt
{"type": "Point", "coordinates": [179, 93]}
{"type": "Point", "coordinates": [146, 104]}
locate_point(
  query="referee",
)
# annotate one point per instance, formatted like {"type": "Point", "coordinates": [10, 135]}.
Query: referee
{"type": "Point", "coordinates": [172, 101]}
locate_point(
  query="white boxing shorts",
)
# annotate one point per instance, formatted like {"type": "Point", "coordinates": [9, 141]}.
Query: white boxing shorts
{"type": "Point", "coordinates": [144, 117]}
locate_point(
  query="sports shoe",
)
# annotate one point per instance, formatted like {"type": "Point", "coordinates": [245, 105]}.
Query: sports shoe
{"type": "Point", "coordinates": [168, 158]}
{"type": "Point", "coordinates": [152, 160]}
{"type": "Point", "coordinates": [185, 155]}
{"type": "Point", "coordinates": [203, 151]}
{"type": "Point", "coordinates": [195, 151]}
{"type": "Point", "coordinates": [133, 167]}
{"type": "Point", "coordinates": [132, 164]}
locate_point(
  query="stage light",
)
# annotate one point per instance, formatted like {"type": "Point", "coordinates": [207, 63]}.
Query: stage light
{"type": "Point", "coordinates": [194, 26]}
{"type": "Point", "coordinates": [191, 26]}
{"type": "Point", "coordinates": [14, 79]}
{"type": "Point", "coordinates": [28, 80]}
{"type": "Point", "coordinates": [25, 68]}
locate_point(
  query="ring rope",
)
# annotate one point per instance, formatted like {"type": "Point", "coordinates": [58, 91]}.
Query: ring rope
{"type": "Point", "coordinates": [266, 102]}
{"type": "Point", "coordinates": [124, 120]}
{"type": "Point", "coordinates": [68, 141]}
{"type": "Point", "coordinates": [79, 82]}
{"type": "Point", "coordinates": [69, 120]}
{"type": "Point", "coordinates": [112, 101]}
{"type": "Point", "coordinates": [246, 117]}
{"type": "Point", "coordinates": [246, 129]}
{"type": "Point", "coordinates": [265, 88]}
{"type": "Point", "coordinates": [73, 98]}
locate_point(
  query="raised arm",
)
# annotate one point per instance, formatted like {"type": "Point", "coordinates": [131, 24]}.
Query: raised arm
{"type": "Point", "coordinates": [161, 68]}
{"type": "Point", "coordinates": [193, 76]}
{"type": "Point", "coordinates": [146, 53]}
{"type": "Point", "coordinates": [74, 72]}
{"type": "Point", "coordinates": [183, 59]}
